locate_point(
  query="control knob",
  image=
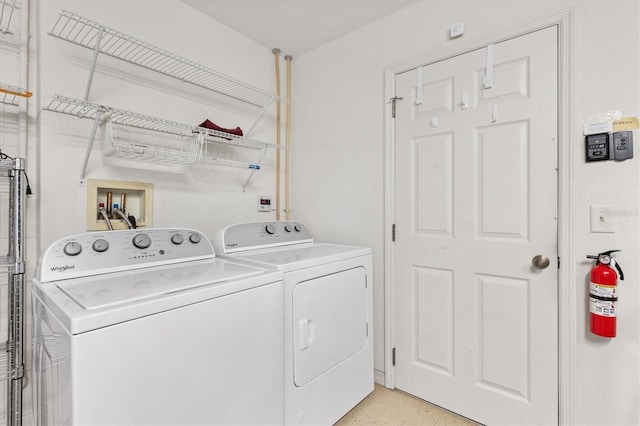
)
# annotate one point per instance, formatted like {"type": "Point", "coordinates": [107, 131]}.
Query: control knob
{"type": "Point", "coordinates": [270, 228]}
{"type": "Point", "coordinates": [72, 248]}
{"type": "Point", "coordinates": [142, 241]}
{"type": "Point", "coordinates": [177, 239]}
{"type": "Point", "coordinates": [101, 245]}
{"type": "Point", "coordinates": [195, 238]}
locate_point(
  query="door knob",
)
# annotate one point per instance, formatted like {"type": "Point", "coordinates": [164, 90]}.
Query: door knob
{"type": "Point", "coordinates": [540, 261]}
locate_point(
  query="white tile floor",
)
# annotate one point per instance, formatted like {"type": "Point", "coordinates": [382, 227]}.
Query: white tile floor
{"type": "Point", "coordinates": [393, 407]}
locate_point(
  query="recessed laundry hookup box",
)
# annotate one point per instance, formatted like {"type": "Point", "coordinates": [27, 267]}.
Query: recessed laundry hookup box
{"type": "Point", "coordinates": [117, 198]}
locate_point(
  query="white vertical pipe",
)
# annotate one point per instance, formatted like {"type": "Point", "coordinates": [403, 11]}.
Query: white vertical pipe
{"type": "Point", "coordinates": [276, 53]}
{"type": "Point", "coordinates": [287, 165]}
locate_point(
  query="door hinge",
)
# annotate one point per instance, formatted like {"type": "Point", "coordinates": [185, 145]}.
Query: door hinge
{"type": "Point", "coordinates": [558, 262]}
{"type": "Point", "coordinates": [393, 357]}
{"type": "Point", "coordinates": [393, 105]}
{"type": "Point", "coordinates": [393, 232]}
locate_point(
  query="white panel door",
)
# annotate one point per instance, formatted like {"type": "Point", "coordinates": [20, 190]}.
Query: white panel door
{"type": "Point", "coordinates": [476, 188]}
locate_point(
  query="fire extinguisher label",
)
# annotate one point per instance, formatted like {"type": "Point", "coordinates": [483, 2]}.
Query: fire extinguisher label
{"type": "Point", "coordinates": [599, 290]}
{"type": "Point", "coordinates": [602, 307]}
{"type": "Point", "coordinates": [602, 300]}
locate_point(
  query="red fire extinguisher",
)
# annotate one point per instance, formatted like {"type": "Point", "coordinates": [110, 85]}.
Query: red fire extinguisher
{"type": "Point", "coordinates": [602, 294]}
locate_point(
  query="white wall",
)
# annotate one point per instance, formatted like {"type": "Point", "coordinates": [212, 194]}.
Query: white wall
{"type": "Point", "coordinates": [202, 197]}
{"type": "Point", "coordinates": [338, 158]}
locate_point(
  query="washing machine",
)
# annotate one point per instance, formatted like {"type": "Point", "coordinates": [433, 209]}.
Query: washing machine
{"type": "Point", "coordinates": [328, 336]}
{"type": "Point", "coordinates": [151, 328]}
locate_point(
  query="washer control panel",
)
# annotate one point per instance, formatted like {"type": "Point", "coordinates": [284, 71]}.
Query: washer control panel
{"type": "Point", "coordinates": [95, 253]}
{"type": "Point", "coordinates": [254, 235]}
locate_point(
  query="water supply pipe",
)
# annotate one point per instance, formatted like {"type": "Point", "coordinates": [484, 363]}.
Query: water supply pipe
{"type": "Point", "coordinates": [118, 212]}
{"type": "Point", "coordinates": [276, 53]}
{"type": "Point", "coordinates": [105, 216]}
{"type": "Point", "coordinates": [287, 157]}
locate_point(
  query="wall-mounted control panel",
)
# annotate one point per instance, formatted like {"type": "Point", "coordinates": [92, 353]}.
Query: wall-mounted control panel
{"type": "Point", "coordinates": [597, 147]}
{"type": "Point", "coordinates": [264, 203]}
{"type": "Point", "coordinates": [616, 146]}
{"type": "Point", "coordinates": [621, 145]}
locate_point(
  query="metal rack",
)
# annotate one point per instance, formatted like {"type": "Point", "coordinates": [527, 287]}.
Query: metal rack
{"type": "Point", "coordinates": [7, 8]}
{"type": "Point", "coordinates": [13, 179]}
{"type": "Point", "coordinates": [9, 94]}
{"type": "Point", "coordinates": [12, 355]}
{"type": "Point", "coordinates": [101, 39]}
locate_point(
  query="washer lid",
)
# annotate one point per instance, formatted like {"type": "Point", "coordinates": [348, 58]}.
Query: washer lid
{"type": "Point", "coordinates": [301, 255]}
{"type": "Point", "coordinates": [114, 289]}
{"type": "Point", "coordinates": [89, 303]}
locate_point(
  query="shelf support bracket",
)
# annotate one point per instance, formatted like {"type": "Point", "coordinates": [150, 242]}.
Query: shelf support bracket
{"type": "Point", "coordinates": [257, 120]}
{"type": "Point", "coordinates": [90, 146]}
{"type": "Point", "coordinates": [96, 51]}
{"type": "Point", "coordinates": [253, 170]}
{"type": "Point", "coordinates": [264, 150]}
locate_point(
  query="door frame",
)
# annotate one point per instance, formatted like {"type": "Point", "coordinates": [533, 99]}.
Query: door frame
{"type": "Point", "coordinates": [567, 159]}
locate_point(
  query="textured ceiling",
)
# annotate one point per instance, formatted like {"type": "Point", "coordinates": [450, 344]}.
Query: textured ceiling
{"type": "Point", "coordinates": [296, 26]}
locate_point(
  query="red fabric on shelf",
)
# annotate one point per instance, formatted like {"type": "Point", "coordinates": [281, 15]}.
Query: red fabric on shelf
{"type": "Point", "coordinates": [207, 124]}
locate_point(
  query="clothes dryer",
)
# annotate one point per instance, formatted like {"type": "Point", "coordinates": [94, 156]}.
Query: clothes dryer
{"type": "Point", "coordinates": [328, 336]}
{"type": "Point", "coordinates": [149, 327]}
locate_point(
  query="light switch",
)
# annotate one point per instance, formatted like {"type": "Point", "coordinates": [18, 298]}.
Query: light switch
{"type": "Point", "coordinates": [602, 219]}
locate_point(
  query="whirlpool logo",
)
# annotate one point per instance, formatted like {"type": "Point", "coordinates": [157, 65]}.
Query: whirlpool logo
{"type": "Point", "coordinates": [62, 268]}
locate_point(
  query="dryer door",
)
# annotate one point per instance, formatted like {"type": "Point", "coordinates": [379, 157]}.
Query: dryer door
{"type": "Point", "coordinates": [329, 320]}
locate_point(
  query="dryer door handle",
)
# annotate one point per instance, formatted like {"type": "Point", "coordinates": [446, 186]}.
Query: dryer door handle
{"type": "Point", "coordinates": [305, 333]}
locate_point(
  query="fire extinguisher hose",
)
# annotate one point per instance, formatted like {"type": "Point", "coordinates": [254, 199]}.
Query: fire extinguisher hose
{"type": "Point", "coordinates": [620, 273]}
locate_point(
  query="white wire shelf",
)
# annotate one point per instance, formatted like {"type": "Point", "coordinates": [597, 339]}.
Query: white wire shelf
{"type": "Point", "coordinates": [9, 94]}
{"type": "Point", "coordinates": [180, 152]}
{"type": "Point", "coordinates": [193, 143]}
{"type": "Point", "coordinates": [102, 39]}
{"type": "Point", "coordinates": [84, 109]}
{"type": "Point", "coordinates": [7, 9]}
{"type": "Point", "coordinates": [167, 155]}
